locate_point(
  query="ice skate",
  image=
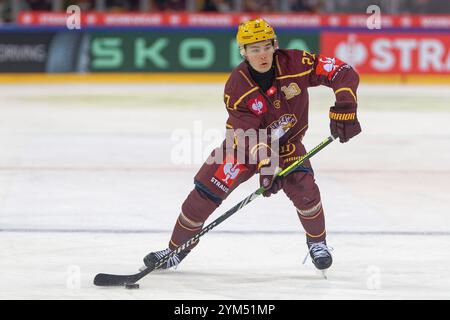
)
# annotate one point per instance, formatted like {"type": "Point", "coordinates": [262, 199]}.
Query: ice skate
{"type": "Point", "coordinates": [152, 258]}
{"type": "Point", "coordinates": [320, 255]}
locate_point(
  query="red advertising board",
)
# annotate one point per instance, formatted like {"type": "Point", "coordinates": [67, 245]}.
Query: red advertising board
{"type": "Point", "coordinates": [405, 53]}
{"type": "Point", "coordinates": [183, 19]}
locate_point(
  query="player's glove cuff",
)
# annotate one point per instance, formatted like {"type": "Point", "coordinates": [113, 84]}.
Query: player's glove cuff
{"type": "Point", "coordinates": [268, 177]}
{"type": "Point", "coordinates": [344, 121]}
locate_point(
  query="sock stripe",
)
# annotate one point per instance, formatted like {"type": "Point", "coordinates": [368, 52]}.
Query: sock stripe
{"type": "Point", "coordinates": [191, 222]}
{"type": "Point", "coordinates": [173, 244]}
{"type": "Point", "coordinates": [189, 229]}
{"type": "Point", "coordinates": [310, 218]}
{"type": "Point", "coordinates": [318, 236]}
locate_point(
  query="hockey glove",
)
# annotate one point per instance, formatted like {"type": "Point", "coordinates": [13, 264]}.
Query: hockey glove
{"type": "Point", "coordinates": [268, 178]}
{"type": "Point", "coordinates": [343, 121]}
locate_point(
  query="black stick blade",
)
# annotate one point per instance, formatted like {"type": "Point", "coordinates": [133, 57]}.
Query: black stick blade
{"type": "Point", "coordinates": [106, 280]}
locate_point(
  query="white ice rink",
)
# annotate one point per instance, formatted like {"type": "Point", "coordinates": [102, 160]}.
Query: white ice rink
{"type": "Point", "coordinates": [89, 184]}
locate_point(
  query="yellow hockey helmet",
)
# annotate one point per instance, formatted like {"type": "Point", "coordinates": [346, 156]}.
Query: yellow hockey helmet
{"type": "Point", "coordinates": [254, 31]}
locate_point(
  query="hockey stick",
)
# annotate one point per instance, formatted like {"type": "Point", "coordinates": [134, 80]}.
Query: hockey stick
{"type": "Point", "coordinates": [103, 279]}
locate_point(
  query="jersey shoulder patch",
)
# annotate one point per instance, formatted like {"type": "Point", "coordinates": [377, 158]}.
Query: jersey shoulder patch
{"type": "Point", "coordinates": [327, 66]}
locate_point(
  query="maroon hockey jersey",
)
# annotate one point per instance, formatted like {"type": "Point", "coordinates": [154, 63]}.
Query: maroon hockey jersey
{"type": "Point", "coordinates": [284, 107]}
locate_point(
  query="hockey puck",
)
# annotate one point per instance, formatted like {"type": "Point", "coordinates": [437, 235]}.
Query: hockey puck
{"type": "Point", "coordinates": [132, 286]}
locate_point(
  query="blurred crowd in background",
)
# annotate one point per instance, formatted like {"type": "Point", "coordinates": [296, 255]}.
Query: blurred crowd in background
{"type": "Point", "coordinates": [9, 7]}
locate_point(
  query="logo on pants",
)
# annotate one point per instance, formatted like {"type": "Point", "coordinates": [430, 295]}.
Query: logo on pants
{"type": "Point", "coordinates": [228, 172]}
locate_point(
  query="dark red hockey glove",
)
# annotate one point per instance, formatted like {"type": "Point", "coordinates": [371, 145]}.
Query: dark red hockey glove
{"type": "Point", "coordinates": [268, 180]}
{"type": "Point", "coordinates": [343, 121]}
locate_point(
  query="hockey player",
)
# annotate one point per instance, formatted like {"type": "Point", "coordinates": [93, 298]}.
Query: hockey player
{"type": "Point", "coordinates": [268, 90]}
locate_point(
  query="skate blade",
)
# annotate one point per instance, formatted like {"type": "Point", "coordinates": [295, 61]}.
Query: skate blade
{"type": "Point", "coordinates": [323, 273]}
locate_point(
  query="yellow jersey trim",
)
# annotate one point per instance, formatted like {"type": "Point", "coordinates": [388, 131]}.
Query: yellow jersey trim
{"type": "Point", "coordinates": [246, 78]}
{"type": "Point", "coordinates": [242, 97]}
{"type": "Point", "coordinates": [295, 75]}
{"type": "Point", "coordinates": [278, 65]}
{"type": "Point", "coordinates": [346, 89]}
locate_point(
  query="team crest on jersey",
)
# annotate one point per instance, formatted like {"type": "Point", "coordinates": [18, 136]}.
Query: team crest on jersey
{"type": "Point", "coordinates": [327, 66]}
{"type": "Point", "coordinates": [283, 124]}
{"type": "Point", "coordinates": [227, 174]}
{"type": "Point", "coordinates": [257, 105]}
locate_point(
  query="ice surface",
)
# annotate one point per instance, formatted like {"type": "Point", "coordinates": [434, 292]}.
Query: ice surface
{"type": "Point", "coordinates": [88, 184]}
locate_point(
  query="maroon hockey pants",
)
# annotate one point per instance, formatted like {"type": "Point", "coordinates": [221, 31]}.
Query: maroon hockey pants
{"type": "Point", "coordinates": [214, 182]}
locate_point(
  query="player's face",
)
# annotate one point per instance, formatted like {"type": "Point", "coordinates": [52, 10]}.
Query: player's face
{"type": "Point", "coordinates": [260, 55]}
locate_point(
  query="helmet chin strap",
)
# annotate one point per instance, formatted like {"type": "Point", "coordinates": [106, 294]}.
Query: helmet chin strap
{"type": "Point", "coordinates": [275, 44]}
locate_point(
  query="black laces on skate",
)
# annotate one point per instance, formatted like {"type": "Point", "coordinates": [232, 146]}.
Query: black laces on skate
{"type": "Point", "coordinates": [172, 262]}
{"type": "Point", "coordinates": [319, 250]}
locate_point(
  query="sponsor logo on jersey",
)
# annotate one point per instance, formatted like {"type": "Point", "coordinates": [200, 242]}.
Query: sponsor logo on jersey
{"type": "Point", "coordinates": [327, 66]}
{"type": "Point", "coordinates": [287, 149]}
{"type": "Point", "coordinates": [227, 174]}
{"type": "Point", "coordinates": [271, 91]}
{"type": "Point", "coordinates": [277, 104]}
{"type": "Point", "coordinates": [257, 105]}
{"type": "Point", "coordinates": [291, 90]}
{"type": "Point", "coordinates": [282, 125]}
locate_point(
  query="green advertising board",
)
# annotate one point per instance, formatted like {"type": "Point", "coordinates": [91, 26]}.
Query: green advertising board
{"type": "Point", "coordinates": [177, 51]}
